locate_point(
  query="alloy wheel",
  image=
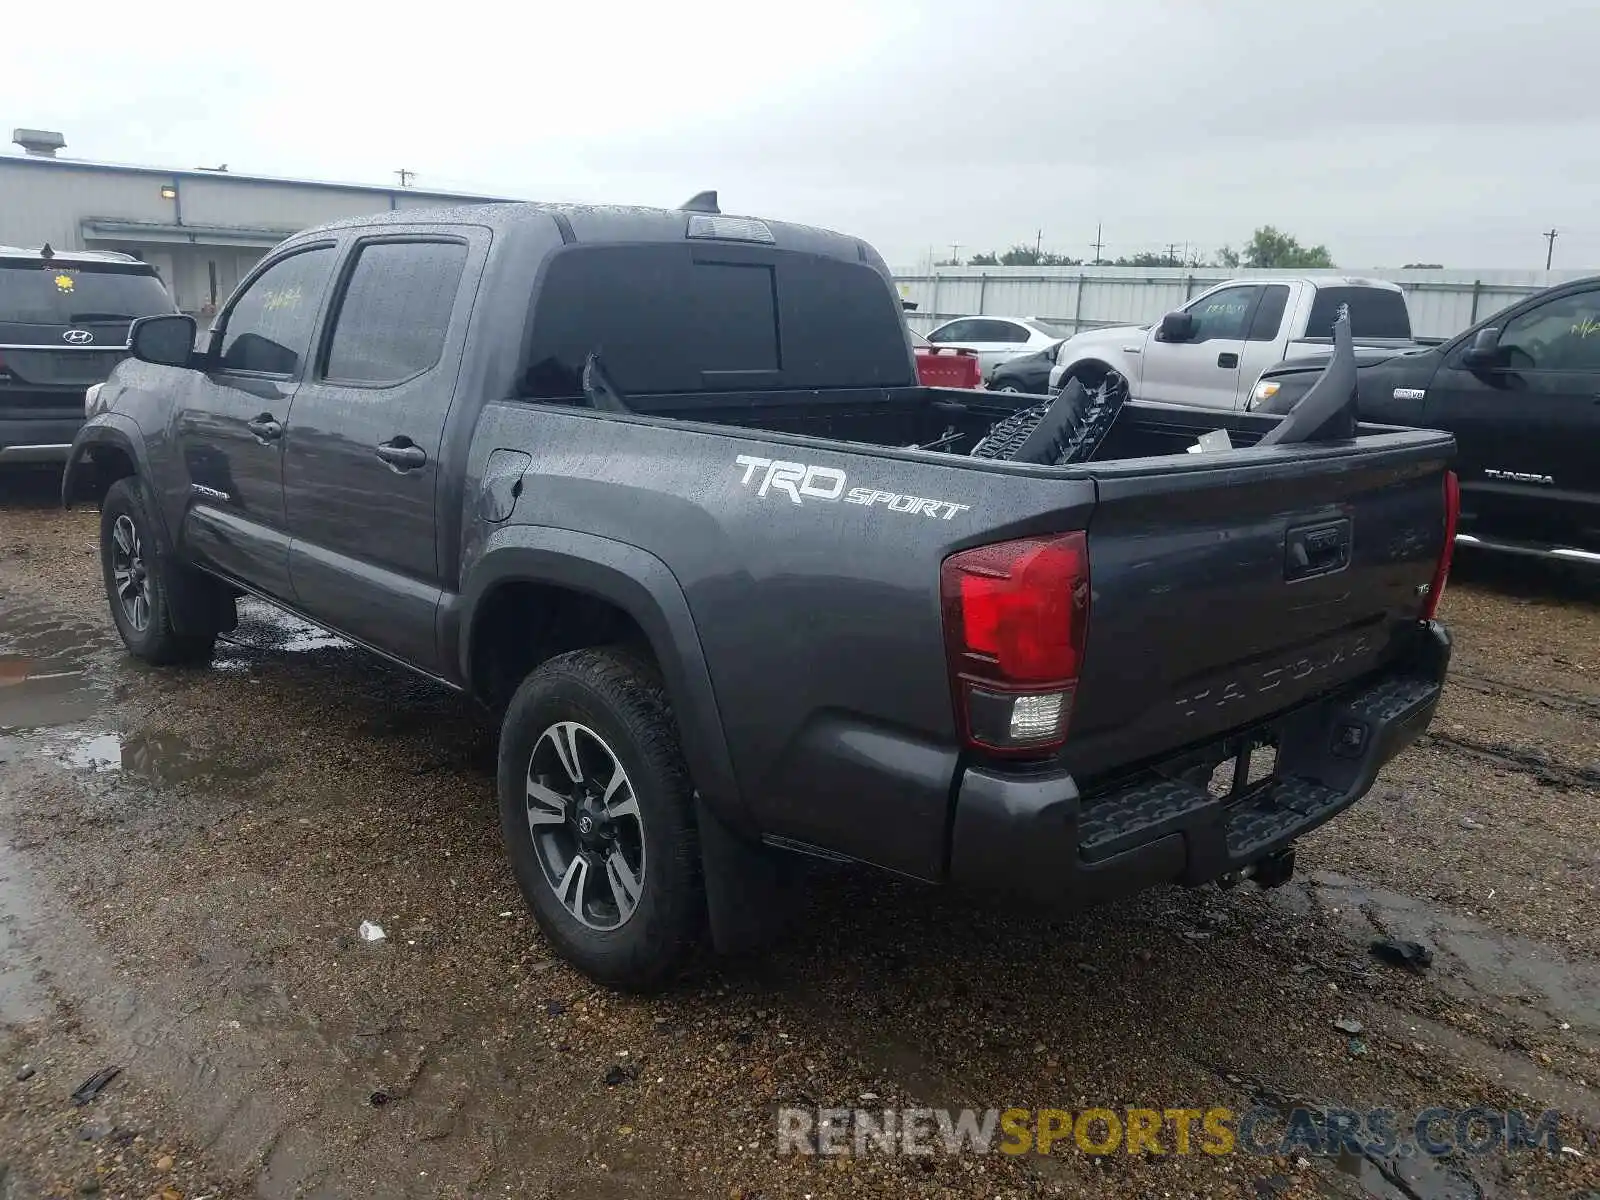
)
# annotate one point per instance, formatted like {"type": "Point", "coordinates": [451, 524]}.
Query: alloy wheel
{"type": "Point", "coordinates": [587, 831]}
{"type": "Point", "coordinates": [128, 573]}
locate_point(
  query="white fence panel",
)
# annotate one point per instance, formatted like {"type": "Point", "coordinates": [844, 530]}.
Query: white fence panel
{"type": "Point", "coordinates": [1442, 303]}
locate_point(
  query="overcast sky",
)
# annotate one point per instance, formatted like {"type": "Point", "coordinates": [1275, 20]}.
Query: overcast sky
{"type": "Point", "coordinates": [1391, 132]}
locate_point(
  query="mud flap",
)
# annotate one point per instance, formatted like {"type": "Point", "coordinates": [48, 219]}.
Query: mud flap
{"type": "Point", "coordinates": [200, 604]}
{"type": "Point", "coordinates": [752, 891]}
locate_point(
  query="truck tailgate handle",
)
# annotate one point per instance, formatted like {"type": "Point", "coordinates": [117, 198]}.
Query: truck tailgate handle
{"type": "Point", "coordinates": [1316, 549]}
{"type": "Point", "coordinates": [402, 453]}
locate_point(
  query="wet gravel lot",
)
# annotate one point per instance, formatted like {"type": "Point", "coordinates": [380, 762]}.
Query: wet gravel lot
{"type": "Point", "coordinates": [186, 857]}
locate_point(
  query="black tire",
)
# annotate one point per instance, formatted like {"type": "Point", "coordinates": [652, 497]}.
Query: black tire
{"type": "Point", "coordinates": [602, 696]}
{"type": "Point", "coordinates": [1091, 375]}
{"type": "Point", "coordinates": [132, 561]}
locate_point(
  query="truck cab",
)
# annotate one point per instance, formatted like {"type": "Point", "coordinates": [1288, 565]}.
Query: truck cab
{"type": "Point", "coordinates": [1210, 352]}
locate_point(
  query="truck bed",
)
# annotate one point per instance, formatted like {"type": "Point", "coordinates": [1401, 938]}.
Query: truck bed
{"type": "Point", "coordinates": [903, 419]}
{"type": "Point", "coordinates": [809, 539]}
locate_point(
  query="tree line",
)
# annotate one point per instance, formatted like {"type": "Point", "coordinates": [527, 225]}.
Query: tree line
{"type": "Point", "coordinates": [1268, 247]}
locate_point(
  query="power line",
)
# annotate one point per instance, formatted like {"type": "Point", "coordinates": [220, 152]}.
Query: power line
{"type": "Point", "coordinates": [1550, 250]}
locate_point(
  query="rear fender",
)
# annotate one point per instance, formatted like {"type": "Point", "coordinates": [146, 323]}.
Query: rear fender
{"type": "Point", "coordinates": [642, 586]}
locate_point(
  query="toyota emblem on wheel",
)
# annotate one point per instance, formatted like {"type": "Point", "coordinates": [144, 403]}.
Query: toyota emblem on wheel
{"type": "Point", "coordinates": [78, 337]}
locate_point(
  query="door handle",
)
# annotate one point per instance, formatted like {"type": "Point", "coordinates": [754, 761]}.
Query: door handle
{"type": "Point", "coordinates": [402, 453]}
{"type": "Point", "coordinates": [266, 427]}
{"type": "Point", "coordinates": [1227, 359]}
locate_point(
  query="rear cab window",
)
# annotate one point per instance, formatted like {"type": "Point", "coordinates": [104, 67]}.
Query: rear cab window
{"type": "Point", "coordinates": [38, 292]}
{"type": "Point", "coordinates": [1374, 313]}
{"type": "Point", "coordinates": [674, 318]}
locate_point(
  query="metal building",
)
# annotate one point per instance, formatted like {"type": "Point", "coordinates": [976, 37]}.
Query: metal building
{"type": "Point", "coordinates": [202, 228]}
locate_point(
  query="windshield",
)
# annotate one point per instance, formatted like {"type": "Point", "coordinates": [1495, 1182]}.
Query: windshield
{"type": "Point", "coordinates": [55, 294]}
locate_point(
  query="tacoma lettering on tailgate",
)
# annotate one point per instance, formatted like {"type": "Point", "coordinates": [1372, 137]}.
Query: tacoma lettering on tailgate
{"type": "Point", "coordinates": [1265, 679]}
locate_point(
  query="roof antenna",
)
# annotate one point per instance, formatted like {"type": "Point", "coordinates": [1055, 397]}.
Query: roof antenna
{"type": "Point", "coordinates": [46, 253]}
{"type": "Point", "coordinates": [703, 202]}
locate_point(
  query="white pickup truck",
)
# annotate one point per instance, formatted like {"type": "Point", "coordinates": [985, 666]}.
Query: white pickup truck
{"type": "Point", "coordinates": [1211, 352]}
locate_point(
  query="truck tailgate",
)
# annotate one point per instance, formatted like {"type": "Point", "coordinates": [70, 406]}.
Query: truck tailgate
{"type": "Point", "coordinates": [1231, 587]}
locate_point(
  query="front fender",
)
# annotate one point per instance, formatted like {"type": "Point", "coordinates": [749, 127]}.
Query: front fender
{"type": "Point", "coordinates": [119, 432]}
{"type": "Point", "coordinates": [102, 429]}
{"type": "Point", "coordinates": [1113, 354]}
{"type": "Point", "coordinates": [642, 586]}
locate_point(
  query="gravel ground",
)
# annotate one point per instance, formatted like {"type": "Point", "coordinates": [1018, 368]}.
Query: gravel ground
{"type": "Point", "coordinates": [185, 857]}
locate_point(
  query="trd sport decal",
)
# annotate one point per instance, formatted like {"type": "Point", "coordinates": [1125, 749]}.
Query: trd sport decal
{"type": "Point", "coordinates": [801, 482]}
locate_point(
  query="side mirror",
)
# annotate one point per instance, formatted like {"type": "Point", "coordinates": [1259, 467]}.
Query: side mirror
{"type": "Point", "coordinates": [1177, 327]}
{"type": "Point", "coordinates": [1485, 348]}
{"type": "Point", "coordinates": [167, 341]}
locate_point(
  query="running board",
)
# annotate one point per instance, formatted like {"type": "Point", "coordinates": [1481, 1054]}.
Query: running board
{"type": "Point", "coordinates": [1529, 549]}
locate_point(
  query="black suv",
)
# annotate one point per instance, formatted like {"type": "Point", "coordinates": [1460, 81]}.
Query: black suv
{"type": "Point", "coordinates": [63, 325]}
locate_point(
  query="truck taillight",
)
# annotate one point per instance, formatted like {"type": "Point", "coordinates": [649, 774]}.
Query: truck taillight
{"type": "Point", "coordinates": [1016, 615]}
{"type": "Point", "coordinates": [1441, 573]}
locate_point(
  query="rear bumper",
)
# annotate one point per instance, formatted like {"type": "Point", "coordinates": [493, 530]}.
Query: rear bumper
{"type": "Point", "coordinates": [37, 439]}
{"type": "Point", "coordinates": [1034, 835]}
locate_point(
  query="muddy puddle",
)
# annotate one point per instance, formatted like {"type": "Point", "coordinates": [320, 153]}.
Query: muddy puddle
{"type": "Point", "coordinates": [263, 627]}
{"type": "Point", "coordinates": [1526, 982]}
{"type": "Point", "coordinates": [46, 675]}
{"type": "Point", "coordinates": [150, 757]}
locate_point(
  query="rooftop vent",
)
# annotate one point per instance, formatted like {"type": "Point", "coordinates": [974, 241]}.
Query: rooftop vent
{"type": "Point", "coordinates": [41, 143]}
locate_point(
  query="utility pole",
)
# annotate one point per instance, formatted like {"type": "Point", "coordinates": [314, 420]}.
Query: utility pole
{"type": "Point", "coordinates": [1038, 243]}
{"type": "Point", "coordinates": [1172, 251]}
{"type": "Point", "coordinates": [955, 253]}
{"type": "Point", "coordinates": [406, 176]}
{"type": "Point", "coordinates": [1099, 245]}
{"type": "Point", "coordinates": [1550, 251]}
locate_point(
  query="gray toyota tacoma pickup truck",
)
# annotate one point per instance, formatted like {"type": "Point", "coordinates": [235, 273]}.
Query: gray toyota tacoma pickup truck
{"type": "Point", "coordinates": [661, 488]}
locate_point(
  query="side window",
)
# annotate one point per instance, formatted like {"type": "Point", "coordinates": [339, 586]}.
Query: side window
{"type": "Point", "coordinates": [1563, 335]}
{"type": "Point", "coordinates": [1012, 333]}
{"type": "Point", "coordinates": [956, 331]}
{"type": "Point", "coordinates": [980, 330]}
{"type": "Point", "coordinates": [1222, 314]}
{"type": "Point", "coordinates": [269, 327]}
{"type": "Point", "coordinates": [1269, 313]}
{"type": "Point", "coordinates": [395, 311]}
